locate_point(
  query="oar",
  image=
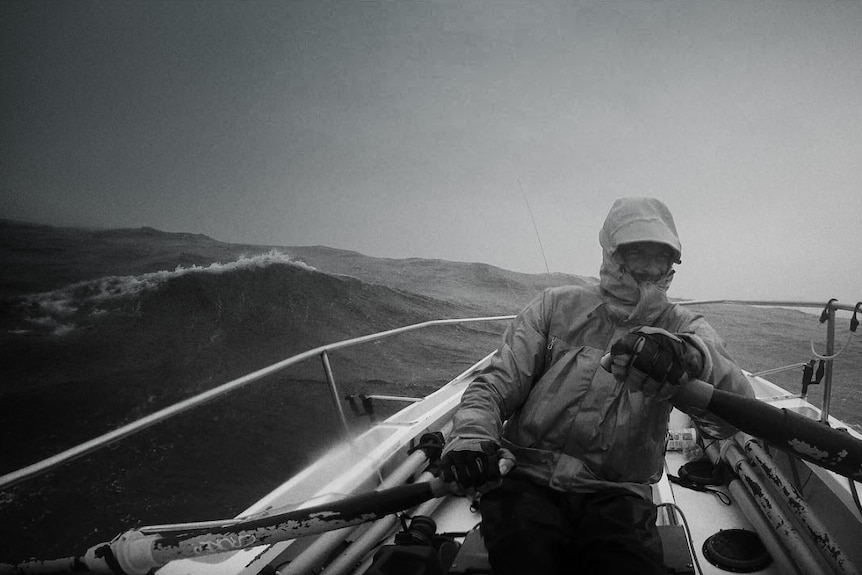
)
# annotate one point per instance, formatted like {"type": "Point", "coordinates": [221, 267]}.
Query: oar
{"type": "Point", "coordinates": [810, 440]}
{"type": "Point", "coordinates": [137, 552]}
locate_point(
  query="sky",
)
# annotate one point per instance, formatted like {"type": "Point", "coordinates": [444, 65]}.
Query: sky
{"type": "Point", "coordinates": [498, 132]}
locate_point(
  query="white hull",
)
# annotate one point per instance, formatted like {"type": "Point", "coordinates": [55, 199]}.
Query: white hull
{"type": "Point", "coordinates": [353, 468]}
{"type": "Point", "coordinates": [808, 518]}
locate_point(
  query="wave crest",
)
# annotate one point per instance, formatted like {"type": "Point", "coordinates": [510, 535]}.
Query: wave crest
{"type": "Point", "coordinates": [55, 311]}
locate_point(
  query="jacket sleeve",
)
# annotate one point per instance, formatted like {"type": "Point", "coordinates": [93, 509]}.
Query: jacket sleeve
{"type": "Point", "coordinates": [719, 370]}
{"type": "Point", "coordinates": [497, 392]}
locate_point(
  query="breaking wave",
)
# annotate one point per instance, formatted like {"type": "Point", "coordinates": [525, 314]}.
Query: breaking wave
{"type": "Point", "coordinates": [56, 311]}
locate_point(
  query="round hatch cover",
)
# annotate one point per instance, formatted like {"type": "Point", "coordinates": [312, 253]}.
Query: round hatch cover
{"type": "Point", "coordinates": [737, 550]}
{"type": "Point", "coordinates": [702, 472]}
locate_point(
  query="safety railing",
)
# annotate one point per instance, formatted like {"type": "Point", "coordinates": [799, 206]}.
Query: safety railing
{"type": "Point", "coordinates": [171, 411]}
{"type": "Point", "coordinates": [827, 316]}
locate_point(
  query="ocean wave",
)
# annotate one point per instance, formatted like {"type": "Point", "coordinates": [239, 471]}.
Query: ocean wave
{"type": "Point", "coordinates": [56, 311]}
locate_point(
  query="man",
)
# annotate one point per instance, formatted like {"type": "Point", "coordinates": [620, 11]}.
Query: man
{"type": "Point", "coordinates": [580, 445]}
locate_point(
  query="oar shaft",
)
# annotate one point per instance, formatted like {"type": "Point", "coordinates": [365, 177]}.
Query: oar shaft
{"type": "Point", "coordinates": [137, 553]}
{"type": "Point", "coordinates": [350, 511]}
{"type": "Point", "coordinates": [810, 440]}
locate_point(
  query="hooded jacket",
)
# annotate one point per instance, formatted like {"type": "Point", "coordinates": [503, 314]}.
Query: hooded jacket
{"type": "Point", "coordinates": [544, 396]}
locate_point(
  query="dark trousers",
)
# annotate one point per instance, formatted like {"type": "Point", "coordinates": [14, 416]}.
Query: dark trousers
{"type": "Point", "coordinates": [529, 528]}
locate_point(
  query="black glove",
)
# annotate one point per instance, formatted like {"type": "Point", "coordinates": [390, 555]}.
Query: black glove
{"type": "Point", "coordinates": [655, 354]}
{"type": "Point", "coordinates": [469, 468]}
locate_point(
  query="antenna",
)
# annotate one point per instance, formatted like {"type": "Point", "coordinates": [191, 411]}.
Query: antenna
{"type": "Point", "coordinates": [535, 227]}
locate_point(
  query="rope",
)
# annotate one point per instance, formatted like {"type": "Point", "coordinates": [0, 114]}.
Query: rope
{"type": "Point", "coordinates": [834, 355]}
{"type": "Point", "coordinates": [721, 495]}
{"type": "Point", "coordinates": [854, 323]}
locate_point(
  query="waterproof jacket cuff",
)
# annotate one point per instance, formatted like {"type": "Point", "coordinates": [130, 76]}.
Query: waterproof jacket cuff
{"type": "Point", "coordinates": [696, 342]}
{"type": "Point", "coordinates": [464, 444]}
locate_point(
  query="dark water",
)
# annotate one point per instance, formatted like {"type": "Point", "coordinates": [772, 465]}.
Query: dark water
{"type": "Point", "coordinates": [83, 360]}
{"type": "Point", "coordinates": [212, 463]}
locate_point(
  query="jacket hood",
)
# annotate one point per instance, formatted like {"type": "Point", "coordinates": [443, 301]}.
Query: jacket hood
{"type": "Point", "coordinates": [635, 220]}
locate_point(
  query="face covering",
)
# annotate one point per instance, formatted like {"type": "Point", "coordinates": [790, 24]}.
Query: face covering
{"type": "Point", "coordinates": [635, 220]}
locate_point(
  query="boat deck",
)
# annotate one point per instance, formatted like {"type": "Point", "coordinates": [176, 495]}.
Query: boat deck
{"type": "Point", "coordinates": [362, 465]}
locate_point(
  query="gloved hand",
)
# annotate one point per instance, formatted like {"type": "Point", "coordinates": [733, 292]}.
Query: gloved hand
{"type": "Point", "coordinates": [470, 471]}
{"type": "Point", "coordinates": [654, 361]}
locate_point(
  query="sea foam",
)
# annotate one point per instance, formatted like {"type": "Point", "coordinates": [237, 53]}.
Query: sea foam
{"type": "Point", "coordinates": [55, 310]}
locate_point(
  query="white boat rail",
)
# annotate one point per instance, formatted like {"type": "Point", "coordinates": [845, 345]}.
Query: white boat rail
{"type": "Point", "coordinates": [49, 463]}
{"type": "Point", "coordinates": [85, 448]}
{"type": "Point", "coordinates": [827, 316]}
